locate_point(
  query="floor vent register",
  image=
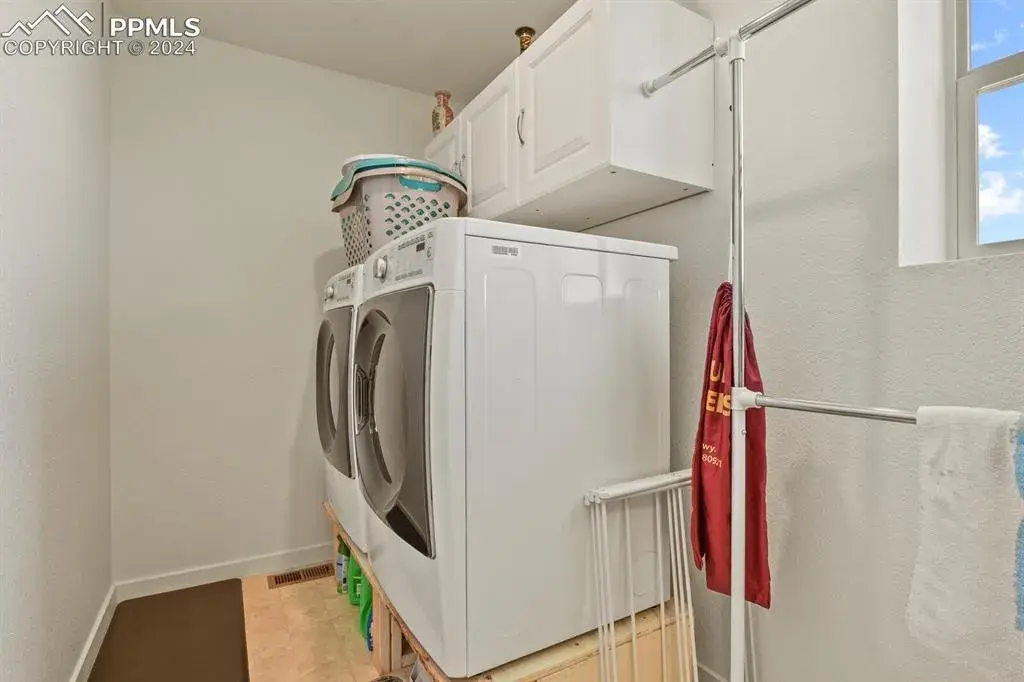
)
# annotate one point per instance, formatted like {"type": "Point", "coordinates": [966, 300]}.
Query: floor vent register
{"type": "Point", "coordinates": [301, 575]}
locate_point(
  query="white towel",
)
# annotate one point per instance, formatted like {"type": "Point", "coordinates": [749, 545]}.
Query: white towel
{"type": "Point", "coordinates": [962, 593]}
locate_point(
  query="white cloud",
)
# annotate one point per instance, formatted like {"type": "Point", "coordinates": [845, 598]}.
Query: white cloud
{"type": "Point", "coordinates": [998, 39]}
{"type": "Point", "coordinates": [989, 145]}
{"type": "Point", "coordinates": [996, 198]}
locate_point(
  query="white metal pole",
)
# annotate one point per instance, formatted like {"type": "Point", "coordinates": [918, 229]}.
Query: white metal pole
{"type": "Point", "coordinates": [675, 537]}
{"type": "Point", "coordinates": [738, 614]}
{"type": "Point", "coordinates": [752, 673]}
{"type": "Point", "coordinates": [737, 639]}
{"type": "Point", "coordinates": [661, 581]}
{"type": "Point", "coordinates": [603, 673]}
{"type": "Point", "coordinates": [608, 600]}
{"type": "Point", "coordinates": [689, 593]}
{"type": "Point", "coordinates": [629, 582]}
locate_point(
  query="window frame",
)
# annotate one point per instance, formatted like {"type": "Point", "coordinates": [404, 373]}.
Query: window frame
{"type": "Point", "coordinates": [968, 85]}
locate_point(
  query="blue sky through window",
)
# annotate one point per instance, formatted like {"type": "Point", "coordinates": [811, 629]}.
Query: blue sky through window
{"type": "Point", "coordinates": [997, 31]}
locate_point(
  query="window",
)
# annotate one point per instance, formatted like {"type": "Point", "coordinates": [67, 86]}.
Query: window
{"type": "Point", "coordinates": [989, 127]}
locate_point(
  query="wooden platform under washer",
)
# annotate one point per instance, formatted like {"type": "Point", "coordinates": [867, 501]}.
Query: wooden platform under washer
{"type": "Point", "coordinates": [575, 660]}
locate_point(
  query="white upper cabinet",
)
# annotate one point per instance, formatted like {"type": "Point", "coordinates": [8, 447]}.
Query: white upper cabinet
{"type": "Point", "coordinates": [446, 148]}
{"type": "Point", "coordinates": [564, 100]}
{"type": "Point", "coordinates": [565, 138]}
{"type": "Point", "coordinates": [491, 145]}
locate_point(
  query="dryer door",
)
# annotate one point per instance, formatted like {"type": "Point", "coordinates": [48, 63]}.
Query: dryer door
{"type": "Point", "coordinates": [332, 388]}
{"type": "Point", "coordinates": [392, 356]}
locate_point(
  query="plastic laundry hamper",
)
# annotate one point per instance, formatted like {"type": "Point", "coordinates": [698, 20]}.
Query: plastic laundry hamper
{"type": "Point", "coordinates": [383, 197]}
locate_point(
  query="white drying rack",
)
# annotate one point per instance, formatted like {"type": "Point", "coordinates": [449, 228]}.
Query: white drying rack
{"type": "Point", "coordinates": [733, 50]}
{"type": "Point", "coordinates": [667, 490]}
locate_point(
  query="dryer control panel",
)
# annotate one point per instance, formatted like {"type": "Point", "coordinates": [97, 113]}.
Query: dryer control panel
{"type": "Point", "coordinates": [409, 258]}
{"type": "Point", "coordinates": [342, 289]}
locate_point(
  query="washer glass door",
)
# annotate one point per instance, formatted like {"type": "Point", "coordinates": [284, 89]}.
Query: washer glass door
{"type": "Point", "coordinates": [332, 388]}
{"type": "Point", "coordinates": [391, 362]}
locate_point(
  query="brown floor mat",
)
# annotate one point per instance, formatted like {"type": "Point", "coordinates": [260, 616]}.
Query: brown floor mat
{"type": "Point", "coordinates": [193, 635]}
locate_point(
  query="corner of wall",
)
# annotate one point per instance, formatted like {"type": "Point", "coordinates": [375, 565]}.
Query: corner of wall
{"type": "Point", "coordinates": [91, 648]}
{"type": "Point", "coordinates": [228, 570]}
{"type": "Point", "coordinates": [706, 674]}
{"type": "Point", "coordinates": [925, 104]}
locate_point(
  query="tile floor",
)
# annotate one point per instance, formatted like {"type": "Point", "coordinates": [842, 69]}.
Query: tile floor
{"type": "Point", "coordinates": [303, 633]}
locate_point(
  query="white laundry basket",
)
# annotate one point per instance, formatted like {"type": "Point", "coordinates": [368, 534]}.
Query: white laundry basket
{"type": "Point", "coordinates": [383, 197]}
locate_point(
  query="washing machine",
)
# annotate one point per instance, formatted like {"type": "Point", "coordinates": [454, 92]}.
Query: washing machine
{"type": "Point", "coordinates": [334, 413]}
{"type": "Point", "coordinates": [502, 372]}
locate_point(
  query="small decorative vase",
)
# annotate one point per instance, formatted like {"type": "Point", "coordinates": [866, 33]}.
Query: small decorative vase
{"type": "Point", "coordinates": [443, 114]}
{"type": "Point", "coordinates": [526, 35]}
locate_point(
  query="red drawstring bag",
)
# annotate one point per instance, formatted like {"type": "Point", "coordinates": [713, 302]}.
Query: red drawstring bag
{"type": "Point", "coordinates": [710, 522]}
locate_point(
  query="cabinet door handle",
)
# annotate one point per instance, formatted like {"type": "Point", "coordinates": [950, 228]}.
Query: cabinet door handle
{"type": "Point", "coordinates": [462, 165]}
{"type": "Point", "coordinates": [519, 127]}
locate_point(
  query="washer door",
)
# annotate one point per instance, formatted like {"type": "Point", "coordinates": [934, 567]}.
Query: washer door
{"type": "Point", "coordinates": [332, 388]}
{"type": "Point", "coordinates": [391, 361]}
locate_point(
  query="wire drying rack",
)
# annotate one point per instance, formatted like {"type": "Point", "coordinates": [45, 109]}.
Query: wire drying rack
{"type": "Point", "coordinates": [667, 493]}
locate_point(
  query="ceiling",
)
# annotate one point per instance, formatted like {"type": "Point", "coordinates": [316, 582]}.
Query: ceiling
{"type": "Point", "coordinates": [421, 45]}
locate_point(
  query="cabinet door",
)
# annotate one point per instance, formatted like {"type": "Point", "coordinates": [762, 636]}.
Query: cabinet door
{"type": "Point", "coordinates": [563, 91]}
{"type": "Point", "coordinates": [444, 149]}
{"type": "Point", "coordinates": [492, 147]}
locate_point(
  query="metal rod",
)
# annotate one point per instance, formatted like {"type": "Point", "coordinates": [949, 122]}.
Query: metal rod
{"type": "Point", "coordinates": [752, 28]}
{"type": "Point", "coordinates": [684, 673]}
{"type": "Point", "coordinates": [651, 87]}
{"type": "Point", "coordinates": [608, 599]}
{"type": "Point", "coordinates": [629, 583]}
{"type": "Point", "coordinates": [752, 672]}
{"type": "Point", "coordinates": [675, 537]}
{"type": "Point", "coordinates": [661, 582]}
{"type": "Point", "coordinates": [599, 589]}
{"type": "Point", "coordinates": [738, 612]}
{"type": "Point", "coordinates": [642, 486]}
{"type": "Point", "coordinates": [738, 605]}
{"type": "Point", "coordinates": [689, 600]}
{"type": "Point", "coordinates": [748, 30]}
{"type": "Point", "coordinates": [884, 414]}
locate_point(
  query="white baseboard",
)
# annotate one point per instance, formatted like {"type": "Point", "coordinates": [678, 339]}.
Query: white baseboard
{"type": "Point", "coordinates": [707, 673]}
{"type": "Point", "coordinates": [143, 587]}
{"type": "Point", "coordinates": [91, 648]}
{"type": "Point", "coordinates": [240, 568]}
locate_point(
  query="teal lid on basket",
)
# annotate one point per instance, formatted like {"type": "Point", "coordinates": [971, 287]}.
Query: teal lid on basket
{"type": "Point", "coordinates": [358, 164]}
